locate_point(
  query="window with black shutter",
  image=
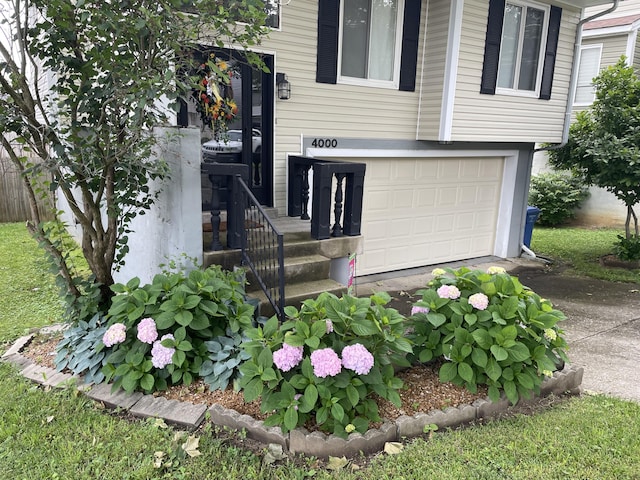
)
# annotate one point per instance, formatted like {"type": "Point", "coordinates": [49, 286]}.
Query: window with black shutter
{"type": "Point", "coordinates": [520, 48]}
{"type": "Point", "coordinates": [371, 54]}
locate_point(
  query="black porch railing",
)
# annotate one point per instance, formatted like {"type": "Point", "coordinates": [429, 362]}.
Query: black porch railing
{"type": "Point", "coordinates": [347, 220]}
{"type": "Point", "coordinates": [263, 249]}
{"type": "Point", "coordinates": [249, 229]}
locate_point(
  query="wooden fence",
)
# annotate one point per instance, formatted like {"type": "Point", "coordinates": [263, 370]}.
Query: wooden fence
{"type": "Point", "coordinates": [14, 202]}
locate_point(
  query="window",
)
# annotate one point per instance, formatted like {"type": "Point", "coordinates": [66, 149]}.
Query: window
{"type": "Point", "coordinates": [520, 48]}
{"type": "Point", "coordinates": [588, 68]}
{"type": "Point", "coordinates": [273, 13]}
{"type": "Point", "coordinates": [370, 44]}
{"type": "Point", "coordinates": [523, 30]}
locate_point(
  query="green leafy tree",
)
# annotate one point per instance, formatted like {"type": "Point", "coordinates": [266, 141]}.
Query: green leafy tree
{"type": "Point", "coordinates": [82, 85]}
{"type": "Point", "coordinates": [604, 141]}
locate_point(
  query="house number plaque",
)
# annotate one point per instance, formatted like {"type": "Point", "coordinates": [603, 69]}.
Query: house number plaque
{"type": "Point", "coordinates": [324, 143]}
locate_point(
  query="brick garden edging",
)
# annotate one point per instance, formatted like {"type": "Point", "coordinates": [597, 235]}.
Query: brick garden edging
{"type": "Point", "coordinates": [190, 416]}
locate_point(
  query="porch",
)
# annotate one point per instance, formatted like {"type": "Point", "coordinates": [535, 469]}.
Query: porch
{"type": "Point", "coordinates": [288, 258]}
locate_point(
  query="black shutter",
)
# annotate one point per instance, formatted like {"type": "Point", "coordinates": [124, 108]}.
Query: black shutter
{"type": "Point", "coordinates": [492, 47]}
{"type": "Point", "coordinates": [327, 51]}
{"type": "Point", "coordinates": [550, 53]}
{"type": "Point", "coordinates": [410, 33]}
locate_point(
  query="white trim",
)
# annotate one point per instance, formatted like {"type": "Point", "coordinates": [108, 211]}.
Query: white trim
{"type": "Point", "coordinates": [366, 82]}
{"type": "Point", "coordinates": [631, 46]}
{"type": "Point", "coordinates": [541, 55]}
{"type": "Point", "coordinates": [403, 153]}
{"type": "Point", "coordinates": [424, 56]}
{"type": "Point", "coordinates": [451, 70]}
{"type": "Point", "coordinates": [507, 191]}
{"type": "Point", "coordinates": [505, 210]}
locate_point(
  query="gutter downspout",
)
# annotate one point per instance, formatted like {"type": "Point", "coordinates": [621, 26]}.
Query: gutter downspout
{"type": "Point", "coordinates": [573, 79]}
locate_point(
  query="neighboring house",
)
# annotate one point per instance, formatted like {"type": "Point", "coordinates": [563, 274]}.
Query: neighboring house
{"type": "Point", "coordinates": [443, 100]}
{"type": "Point", "coordinates": [604, 41]}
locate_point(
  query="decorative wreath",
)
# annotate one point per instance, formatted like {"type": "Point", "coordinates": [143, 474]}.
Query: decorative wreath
{"type": "Point", "coordinates": [214, 95]}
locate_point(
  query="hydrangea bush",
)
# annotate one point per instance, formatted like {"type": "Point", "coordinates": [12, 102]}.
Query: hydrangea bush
{"type": "Point", "coordinates": [326, 362]}
{"type": "Point", "coordinates": [488, 329]}
{"type": "Point", "coordinates": [159, 333]}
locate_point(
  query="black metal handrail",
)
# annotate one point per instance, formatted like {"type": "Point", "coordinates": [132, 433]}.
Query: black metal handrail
{"type": "Point", "coordinates": [347, 221]}
{"type": "Point", "coordinates": [262, 247]}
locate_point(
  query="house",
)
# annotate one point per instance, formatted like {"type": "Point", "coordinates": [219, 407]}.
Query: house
{"type": "Point", "coordinates": [443, 100]}
{"type": "Point", "coordinates": [604, 41]}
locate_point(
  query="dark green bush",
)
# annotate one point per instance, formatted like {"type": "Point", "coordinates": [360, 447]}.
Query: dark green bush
{"type": "Point", "coordinates": [184, 312]}
{"type": "Point", "coordinates": [557, 195]}
{"type": "Point", "coordinates": [627, 249]}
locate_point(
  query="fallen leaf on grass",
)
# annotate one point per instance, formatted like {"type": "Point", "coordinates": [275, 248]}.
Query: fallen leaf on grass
{"type": "Point", "coordinates": [157, 459]}
{"type": "Point", "coordinates": [337, 463]}
{"type": "Point", "coordinates": [273, 454]}
{"type": "Point", "coordinates": [190, 447]}
{"type": "Point", "coordinates": [393, 448]}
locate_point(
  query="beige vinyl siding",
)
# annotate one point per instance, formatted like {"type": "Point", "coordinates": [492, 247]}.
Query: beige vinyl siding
{"type": "Point", "coordinates": [625, 8]}
{"type": "Point", "coordinates": [318, 109]}
{"type": "Point", "coordinates": [507, 118]}
{"type": "Point", "coordinates": [636, 56]}
{"type": "Point", "coordinates": [431, 78]}
{"type": "Point", "coordinates": [612, 47]}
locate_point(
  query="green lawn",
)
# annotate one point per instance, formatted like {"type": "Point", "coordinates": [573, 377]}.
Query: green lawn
{"type": "Point", "coordinates": [62, 435]}
{"type": "Point", "coordinates": [28, 295]}
{"type": "Point", "coordinates": [580, 249]}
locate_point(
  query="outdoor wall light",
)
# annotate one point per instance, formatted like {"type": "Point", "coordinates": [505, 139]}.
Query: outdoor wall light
{"type": "Point", "coordinates": [284, 87]}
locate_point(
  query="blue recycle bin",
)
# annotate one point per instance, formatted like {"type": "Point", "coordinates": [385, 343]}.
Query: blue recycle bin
{"type": "Point", "coordinates": [532, 215]}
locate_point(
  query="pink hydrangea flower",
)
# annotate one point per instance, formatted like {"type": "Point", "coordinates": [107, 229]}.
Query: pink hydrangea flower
{"type": "Point", "coordinates": [117, 333]}
{"type": "Point", "coordinates": [448, 291]}
{"type": "Point", "coordinates": [357, 358]}
{"type": "Point", "coordinates": [160, 355]}
{"type": "Point", "coordinates": [147, 331]}
{"type": "Point", "coordinates": [479, 301]}
{"type": "Point", "coordinates": [418, 309]}
{"type": "Point", "coordinates": [329, 325]}
{"type": "Point", "coordinates": [326, 363]}
{"type": "Point", "coordinates": [287, 357]}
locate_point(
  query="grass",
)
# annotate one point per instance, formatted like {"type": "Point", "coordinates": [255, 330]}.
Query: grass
{"type": "Point", "coordinates": [62, 435]}
{"type": "Point", "coordinates": [28, 294]}
{"type": "Point", "coordinates": [580, 249]}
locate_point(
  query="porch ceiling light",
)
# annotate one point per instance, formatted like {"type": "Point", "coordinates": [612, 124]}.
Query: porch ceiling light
{"type": "Point", "coordinates": [283, 86]}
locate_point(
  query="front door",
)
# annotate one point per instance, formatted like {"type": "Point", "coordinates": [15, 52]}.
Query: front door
{"type": "Point", "coordinates": [249, 138]}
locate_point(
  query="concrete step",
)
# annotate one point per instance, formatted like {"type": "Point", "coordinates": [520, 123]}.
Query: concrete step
{"type": "Point", "coordinates": [296, 293]}
{"type": "Point", "coordinates": [299, 269]}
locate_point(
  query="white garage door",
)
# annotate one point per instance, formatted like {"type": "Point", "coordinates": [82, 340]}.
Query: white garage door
{"type": "Point", "coordinates": [424, 211]}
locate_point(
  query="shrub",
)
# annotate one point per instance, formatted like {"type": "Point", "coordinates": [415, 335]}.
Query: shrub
{"type": "Point", "coordinates": [225, 357]}
{"type": "Point", "coordinates": [627, 249]}
{"type": "Point", "coordinates": [489, 329]}
{"type": "Point", "coordinates": [557, 195]}
{"type": "Point", "coordinates": [158, 332]}
{"type": "Point", "coordinates": [326, 362]}
{"type": "Point", "coordinates": [81, 349]}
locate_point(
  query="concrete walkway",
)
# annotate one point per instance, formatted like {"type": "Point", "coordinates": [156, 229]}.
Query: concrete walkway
{"type": "Point", "coordinates": [602, 326]}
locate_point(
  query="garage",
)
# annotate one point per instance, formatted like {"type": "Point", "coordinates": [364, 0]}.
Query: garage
{"type": "Point", "coordinates": [423, 211]}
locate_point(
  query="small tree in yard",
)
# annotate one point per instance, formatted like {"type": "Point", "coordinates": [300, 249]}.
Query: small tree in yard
{"type": "Point", "coordinates": [604, 142]}
{"type": "Point", "coordinates": [82, 84]}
